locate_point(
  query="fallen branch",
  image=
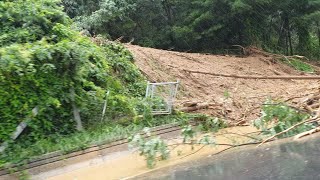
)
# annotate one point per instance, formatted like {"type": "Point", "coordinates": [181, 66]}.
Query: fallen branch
{"type": "Point", "coordinates": [190, 104]}
{"type": "Point", "coordinates": [194, 108]}
{"type": "Point", "coordinates": [186, 57]}
{"type": "Point", "coordinates": [306, 133]}
{"type": "Point", "coordinates": [255, 77]}
{"type": "Point", "coordinates": [230, 147]}
{"type": "Point", "coordinates": [194, 152]}
{"type": "Point", "coordinates": [217, 144]}
{"type": "Point", "coordinates": [243, 135]}
{"type": "Point", "coordinates": [289, 129]}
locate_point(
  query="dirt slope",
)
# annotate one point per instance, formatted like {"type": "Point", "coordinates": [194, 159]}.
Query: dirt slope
{"type": "Point", "coordinates": [235, 100]}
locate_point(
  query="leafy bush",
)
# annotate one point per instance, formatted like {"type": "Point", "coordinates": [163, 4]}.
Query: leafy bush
{"type": "Point", "coordinates": [29, 20]}
{"type": "Point", "coordinates": [42, 61]}
{"type": "Point", "coordinates": [279, 117]}
{"type": "Point", "coordinates": [121, 61]}
{"type": "Point", "coordinates": [150, 148]}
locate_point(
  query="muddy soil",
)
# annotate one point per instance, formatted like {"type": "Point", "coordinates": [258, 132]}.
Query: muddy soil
{"type": "Point", "coordinates": [236, 100]}
{"type": "Point", "coordinates": [128, 165]}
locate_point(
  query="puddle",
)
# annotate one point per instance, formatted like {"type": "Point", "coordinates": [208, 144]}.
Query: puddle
{"type": "Point", "coordinates": [131, 165]}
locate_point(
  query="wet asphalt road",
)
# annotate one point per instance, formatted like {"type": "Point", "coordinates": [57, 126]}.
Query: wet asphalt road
{"type": "Point", "coordinates": [285, 160]}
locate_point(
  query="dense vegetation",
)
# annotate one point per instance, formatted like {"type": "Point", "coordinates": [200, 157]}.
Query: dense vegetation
{"type": "Point", "coordinates": [45, 64]}
{"type": "Point", "coordinates": [287, 27]}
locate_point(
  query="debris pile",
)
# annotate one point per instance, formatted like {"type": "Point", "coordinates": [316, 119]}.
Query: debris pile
{"type": "Point", "coordinates": [236, 100]}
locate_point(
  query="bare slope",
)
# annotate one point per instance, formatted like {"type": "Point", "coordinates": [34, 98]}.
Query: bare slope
{"type": "Point", "coordinates": [234, 99]}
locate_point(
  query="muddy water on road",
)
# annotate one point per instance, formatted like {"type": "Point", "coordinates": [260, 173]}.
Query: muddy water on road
{"type": "Point", "coordinates": [131, 164]}
{"type": "Point", "coordinates": [281, 160]}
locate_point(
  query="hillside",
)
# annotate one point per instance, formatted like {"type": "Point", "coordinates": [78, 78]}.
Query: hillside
{"type": "Point", "coordinates": [236, 100]}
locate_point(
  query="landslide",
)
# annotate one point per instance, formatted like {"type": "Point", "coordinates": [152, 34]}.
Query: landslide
{"type": "Point", "coordinates": [236, 100]}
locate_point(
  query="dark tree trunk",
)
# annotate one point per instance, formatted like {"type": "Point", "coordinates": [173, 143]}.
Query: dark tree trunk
{"type": "Point", "coordinates": [318, 26]}
{"type": "Point", "coordinates": [167, 5]}
{"type": "Point", "coordinates": [290, 41]}
{"type": "Point", "coordinates": [287, 44]}
{"type": "Point", "coordinates": [240, 37]}
{"type": "Point", "coordinates": [289, 48]}
{"type": "Point", "coordinates": [281, 39]}
{"type": "Point", "coordinates": [267, 34]}
{"type": "Point", "coordinates": [289, 36]}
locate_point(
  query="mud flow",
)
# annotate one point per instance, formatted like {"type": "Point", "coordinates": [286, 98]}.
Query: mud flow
{"type": "Point", "coordinates": [238, 101]}
{"type": "Point", "coordinates": [129, 164]}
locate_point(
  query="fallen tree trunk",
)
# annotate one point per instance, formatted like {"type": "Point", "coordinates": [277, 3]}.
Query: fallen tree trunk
{"type": "Point", "coordinates": [255, 77]}
{"type": "Point", "coordinates": [194, 108]}
{"type": "Point", "coordinates": [190, 104]}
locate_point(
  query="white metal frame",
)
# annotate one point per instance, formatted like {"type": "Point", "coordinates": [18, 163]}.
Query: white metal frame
{"type": "Point", "coordinates": [151, 93]}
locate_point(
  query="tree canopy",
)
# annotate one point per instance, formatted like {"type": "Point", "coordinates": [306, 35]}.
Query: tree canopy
{"type": "Point", "coordinates": [288, 27]}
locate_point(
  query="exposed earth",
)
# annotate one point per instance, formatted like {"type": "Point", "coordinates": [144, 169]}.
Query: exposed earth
{"type": "Point", "coordinates": [236, 100]}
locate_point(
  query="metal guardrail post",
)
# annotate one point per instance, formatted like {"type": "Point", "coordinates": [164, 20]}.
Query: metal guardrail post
{"type": "Point", "coordinates": [19, 129]}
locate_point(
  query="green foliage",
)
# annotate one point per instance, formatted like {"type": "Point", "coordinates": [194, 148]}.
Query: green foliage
{"type": "Point", "coordinates": [108, 12]}
{"type": "Point", "coordinates": [287, 27]}
{"type": "Point", "coordinates": [205, 124]}
{"type": "Point", "coordinates": [153, 148]}
{"type": "Point", "coordinates": [206, 140]}
{"type": "Point", "coordinates": [28, 21]}
{"type": "Point", "coordinates": [188, 133]}
{"type": "Point", "coordinates": [150, 148]}
{"type": "Point", "coordinates": [42, 59]}
{"type": "Point", "coordinates": [22, 150]}
{"type": "Point", "coordinates": [279, 117]}
{"type": "Point", "coordinates": [299, 65]}
{"type": "Point", "coordinates": [226, 94]}
{"type": "Point", "coordinates": [210, 124]}
{"type": "Point", "coordinates": [121, 61]}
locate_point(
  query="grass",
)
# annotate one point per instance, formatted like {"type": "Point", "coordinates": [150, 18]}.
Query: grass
{"type": "Point", "coordinates": [19, 153]}
{"type": "Point", "coordinates": [299, 65]}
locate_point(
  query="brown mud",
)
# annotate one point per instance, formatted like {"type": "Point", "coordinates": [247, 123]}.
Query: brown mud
{"type": "Point", "coordinates": [129, 165]}
{"type": "Point", "coordinates": [235, 100]}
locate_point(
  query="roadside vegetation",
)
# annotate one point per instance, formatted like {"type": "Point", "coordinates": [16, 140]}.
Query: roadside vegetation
{"type": "Point", "coordinates": [277, 121]}
{"type": "Point", "coordinates": [20, 152]}
{"type": "Point", "coordinates": [66, 76]}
